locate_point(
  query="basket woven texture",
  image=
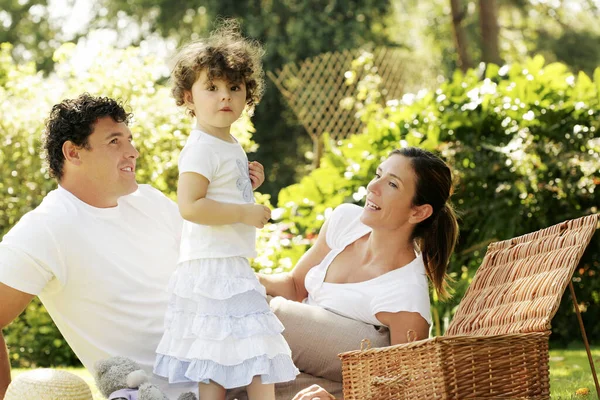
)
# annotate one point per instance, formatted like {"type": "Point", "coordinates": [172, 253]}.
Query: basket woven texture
{"type": "Point", "coordinates": [497, 343]}
{"type": "Point", "coordinates": [48, 384]}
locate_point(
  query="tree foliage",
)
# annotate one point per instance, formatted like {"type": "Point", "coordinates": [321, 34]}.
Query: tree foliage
{"type": "Point", "coordinates": [527, 28]}
{"type": "Point", "coordinates": [35, 36]}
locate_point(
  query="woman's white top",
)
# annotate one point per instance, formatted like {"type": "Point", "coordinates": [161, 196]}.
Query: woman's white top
{"type": "Point", "coordinates": [225, 165]}
{"type": "Point", "coordinates": [403, 289]}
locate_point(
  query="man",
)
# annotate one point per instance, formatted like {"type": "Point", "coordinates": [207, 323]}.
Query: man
{"type": "Point", "coordinates": [99, 250]}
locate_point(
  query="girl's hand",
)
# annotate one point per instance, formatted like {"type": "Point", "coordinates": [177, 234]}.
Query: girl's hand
{"type": "Point", "coordinates": [255, 215]}
{"type": "Point", "coordinates": [314, 392]}
{"type": "Point", "coordinates": [257, 174]}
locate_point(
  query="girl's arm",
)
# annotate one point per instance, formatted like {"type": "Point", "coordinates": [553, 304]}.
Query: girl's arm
{"type": "Point", "coordinates": [195, 207]}
{"type": "Point", "coordinates": [291, 284]}
{"type": "Point", "coordinates": [400, 323]}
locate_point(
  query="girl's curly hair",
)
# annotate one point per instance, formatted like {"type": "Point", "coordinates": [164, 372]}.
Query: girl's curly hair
{"type": "Point", "coordinates": [73, 120]}
{"type": "Point", "coordinates": [226, 55]}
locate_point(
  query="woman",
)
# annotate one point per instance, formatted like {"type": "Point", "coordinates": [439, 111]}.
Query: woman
{"type": "Point", "coordinates": [382, 252]}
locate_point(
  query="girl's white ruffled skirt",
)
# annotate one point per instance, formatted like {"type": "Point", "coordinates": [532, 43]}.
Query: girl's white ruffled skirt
{"type": "Point", "coordinates": [219, 327]}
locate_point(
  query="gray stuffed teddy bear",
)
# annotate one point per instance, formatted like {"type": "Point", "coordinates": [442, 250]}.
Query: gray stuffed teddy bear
{"type": "Point", "coordinates": [120, 378]}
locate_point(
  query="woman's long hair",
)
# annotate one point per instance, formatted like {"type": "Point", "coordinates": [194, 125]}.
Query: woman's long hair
{"type": "Point", "coordinates": [436, 235]}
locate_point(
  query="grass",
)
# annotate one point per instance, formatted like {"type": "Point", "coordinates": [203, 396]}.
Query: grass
{"type": "Point", "coordinates": [569, 371]}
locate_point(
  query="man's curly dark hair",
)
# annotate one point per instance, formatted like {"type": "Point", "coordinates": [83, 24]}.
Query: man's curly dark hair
{"type": "Point", "coordinates": [74, 120]}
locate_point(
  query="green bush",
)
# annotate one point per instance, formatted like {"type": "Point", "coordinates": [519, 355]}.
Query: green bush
{"type": "Point", "coordinates": [523, 144]}
{"type": "Point", "coordinates": [26, 97]}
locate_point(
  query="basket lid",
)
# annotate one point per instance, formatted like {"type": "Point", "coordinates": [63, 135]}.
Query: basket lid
{"type": "Point", "coordinates": [518, 287]}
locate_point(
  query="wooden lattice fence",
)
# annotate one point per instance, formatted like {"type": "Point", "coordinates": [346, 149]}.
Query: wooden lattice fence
{"type": "Point", "coordinates": [316, 88]}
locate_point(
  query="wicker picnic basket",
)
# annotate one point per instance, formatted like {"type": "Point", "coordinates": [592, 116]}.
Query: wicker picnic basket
{"type": "Point", "coordinates": [497, 343]}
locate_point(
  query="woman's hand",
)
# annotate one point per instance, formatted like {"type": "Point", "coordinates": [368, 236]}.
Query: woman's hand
{"type": "Point", "coordinates": [314, 392]}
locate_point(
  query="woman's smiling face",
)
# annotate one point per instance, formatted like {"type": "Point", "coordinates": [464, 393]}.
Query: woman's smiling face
{"type": "Point", "coordinates": [390, 194]}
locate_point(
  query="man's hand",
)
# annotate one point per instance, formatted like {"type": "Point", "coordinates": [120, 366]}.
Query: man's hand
{"type": "Point", "coordinates": [257, 174]}
{"type": "Point", "coordinates": [314, 392]}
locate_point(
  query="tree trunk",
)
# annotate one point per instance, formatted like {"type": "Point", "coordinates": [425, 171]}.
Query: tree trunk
{"type": "Point", "coordinates": [488, 21]}
{"type": "Point", "coordinates": [460, 38]}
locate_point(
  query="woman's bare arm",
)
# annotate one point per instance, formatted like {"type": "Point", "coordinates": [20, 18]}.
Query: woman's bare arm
{"type": "Point", "coordinates": [400, 323]}
{"type": "Point", "coordinates": [291, 284]}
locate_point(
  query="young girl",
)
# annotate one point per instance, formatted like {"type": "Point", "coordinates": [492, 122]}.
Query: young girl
{"type": "Point", "coordinates": [219, 329]}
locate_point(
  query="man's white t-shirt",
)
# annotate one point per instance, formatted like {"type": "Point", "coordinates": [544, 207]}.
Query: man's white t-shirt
{"type": "Point", "coordinates": [225, 165]}
{"type": "Point", "coordinates": [100, 272]}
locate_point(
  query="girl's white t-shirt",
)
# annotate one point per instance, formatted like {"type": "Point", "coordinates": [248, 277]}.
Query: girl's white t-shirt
{"type": "Point", "coordinates": [225, 165]}
{"type": "Point", "coordinates": [403, 289]}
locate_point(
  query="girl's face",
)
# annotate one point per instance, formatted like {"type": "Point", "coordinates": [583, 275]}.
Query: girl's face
{"type": "Point", "coordinates": [390, 196]}
{"type": "Point", "coordinates": [217, 103]}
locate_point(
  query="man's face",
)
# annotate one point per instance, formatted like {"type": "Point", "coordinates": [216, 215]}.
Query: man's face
{"type": "Point", "coordinates": [109, 160]}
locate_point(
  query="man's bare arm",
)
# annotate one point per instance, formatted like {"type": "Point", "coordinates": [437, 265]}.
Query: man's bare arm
{"type": "Point", "coordinates": [13, 303]}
